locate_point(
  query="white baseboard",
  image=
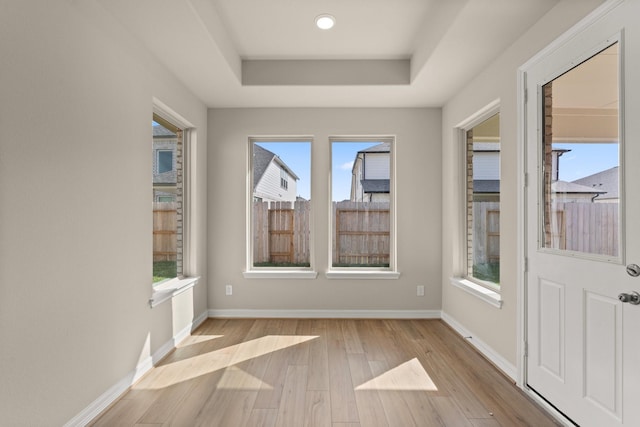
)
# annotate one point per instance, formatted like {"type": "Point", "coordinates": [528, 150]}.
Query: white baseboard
{"type": "Point", "coordinates": [326, 314]}
{"type": "Point", "coordinates": [114, 392]}
{"type": "Point", "coordinates": [500, 362]}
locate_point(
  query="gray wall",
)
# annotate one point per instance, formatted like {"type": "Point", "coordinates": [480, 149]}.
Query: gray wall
{"type": "Point", "coordinates": [75, 209]}
{"type": "Point", "coordinates": [497, 328]}
{"type": "Point", "coordinates": [419, 214]}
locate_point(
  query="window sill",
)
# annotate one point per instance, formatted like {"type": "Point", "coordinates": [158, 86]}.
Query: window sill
{"type": "Point", "coordinates": [487, 295]}
{"type": "Point", "coordinates": [274, 274]}
{"type": "Point", "coordinates": [170, 289]}
{"type": "Point", "coordinates": [337, 274]}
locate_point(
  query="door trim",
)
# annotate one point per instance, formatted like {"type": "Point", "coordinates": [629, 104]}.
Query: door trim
{"type": "Point", "coordinates": [521, 302]}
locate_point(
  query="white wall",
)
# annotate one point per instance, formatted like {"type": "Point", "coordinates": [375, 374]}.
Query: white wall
{"type": "Point", "coordinates": [418, 164]}
{"type": "Point", "coordinates": [75, 208]}
{"type": "Point", "coordinates": [494, 327]}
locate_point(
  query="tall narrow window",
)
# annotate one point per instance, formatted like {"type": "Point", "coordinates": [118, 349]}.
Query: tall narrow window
{"type": "Point", "coordinates": [483, 201]}
{"type": "Point", "coordinates": [361, 200]}
{"type": "Point", "coordinates": [280, 197]}
{"type": "Point", "coordinates": [167, 200]}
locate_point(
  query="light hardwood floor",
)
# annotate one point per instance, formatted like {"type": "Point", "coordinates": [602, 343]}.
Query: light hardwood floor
{"type": "Point", "coordinates": [337, 373]}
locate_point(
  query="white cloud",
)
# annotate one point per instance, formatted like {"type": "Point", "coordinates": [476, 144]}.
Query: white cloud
{"type": "Point", "coordinates": [347, 166]}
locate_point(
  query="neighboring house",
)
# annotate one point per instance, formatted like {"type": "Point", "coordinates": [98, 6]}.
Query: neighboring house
{"type": "Point", "coordinates": [486, 178]}
{"type": "Point", "coordinates": [371, 174]}
{"type": "Point", "coordinates": [486, 171]}
{"type": "Point", "coordinates": [568, 192]}
{"type": "Point", "coordinates": [576, 191]}
{"type": "Point", "coordinates": [273, 180]}
{"type": "Point", "coordinates": [164, 164]}
{"type": "Point", "coordinates": [605, 182]}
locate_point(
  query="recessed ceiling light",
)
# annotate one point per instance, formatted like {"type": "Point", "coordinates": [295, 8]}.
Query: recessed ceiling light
{"type": "Point", "coordinates": [324, 22]}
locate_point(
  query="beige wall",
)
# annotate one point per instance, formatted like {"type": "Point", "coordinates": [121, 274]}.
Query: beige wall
{"type": "Point", "coordinates": [418, 195]}
{"type": "Point", "coordinates": [497, 328]}
{"type": "Point", "coordinates": [75, 209]}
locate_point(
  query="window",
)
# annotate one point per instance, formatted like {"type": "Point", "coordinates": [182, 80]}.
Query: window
{"type": "Point", "coordinates": [284, 179]}
{"type": "Point", "coordinates": [362, 203]}
{"type": "Point", "coordinates": [581, 159]}
{"type": "Point", "coordinates": [483, 201]}
{"type": "Point", "coordinates": [167, 200]}
{"type": "Point", "coordinates": [280, 198]}
{"type": "Point", "coordinates": [165, 161]}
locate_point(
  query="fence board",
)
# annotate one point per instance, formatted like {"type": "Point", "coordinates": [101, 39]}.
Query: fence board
{"type": "Point", "coordinates": [165, 230]}
{"type": "Point", "coordinates": [361, 233]}
{"type": "Point", "coordinates": [587, 227]}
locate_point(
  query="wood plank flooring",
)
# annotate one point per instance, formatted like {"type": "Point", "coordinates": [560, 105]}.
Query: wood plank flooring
{"type": "Point", "coordinates": [321, 372]}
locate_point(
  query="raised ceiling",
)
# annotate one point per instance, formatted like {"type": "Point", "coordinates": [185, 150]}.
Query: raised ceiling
{"type": "Point", "coordinates": [381, 53]}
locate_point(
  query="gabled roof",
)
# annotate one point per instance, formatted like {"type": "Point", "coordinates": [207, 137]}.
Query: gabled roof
{"type": "Point", "coordinates": [162, 132]}
{"type": "Point", "coordinates": [606, 181]}
{"type": "Point", "coordinates": [261, 160]}
{"type": "Point", "coordinates": [384, 147]}
{"type": "Point", "coordinates": [571, 188]}
{"type": "Point", "coordinates": [375, 185]}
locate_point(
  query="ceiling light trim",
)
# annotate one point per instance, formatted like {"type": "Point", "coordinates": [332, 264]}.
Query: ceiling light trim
{"type": "Point", "coordinates": [325, 21]}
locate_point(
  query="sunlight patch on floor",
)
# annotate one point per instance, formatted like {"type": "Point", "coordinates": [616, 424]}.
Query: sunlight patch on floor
{"type": "Point", "coordinates": [193, 367]}
{"type": "Point", "coordinates": [197, 339]}
{"type": "Point", "coordinates": [409, 376]}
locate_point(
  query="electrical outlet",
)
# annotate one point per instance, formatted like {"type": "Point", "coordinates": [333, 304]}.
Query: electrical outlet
{"type": "Point", "coordinates": [420, 290]}
{"type": "Point", "coordinates": [229, 290]}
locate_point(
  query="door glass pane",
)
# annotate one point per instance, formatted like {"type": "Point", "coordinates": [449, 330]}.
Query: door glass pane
{"type": "Point", "coordinates": [581, 158]}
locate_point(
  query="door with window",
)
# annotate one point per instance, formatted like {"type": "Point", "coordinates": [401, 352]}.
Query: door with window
{"type": "Point", "coordinates": [582, 228]}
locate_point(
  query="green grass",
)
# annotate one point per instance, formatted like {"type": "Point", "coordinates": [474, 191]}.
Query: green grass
{"type": "Point", "coordinates": [489, 272]}
{"type": "Point", "coordinates": [164, 270]}
{"type": "Point", "coordinates": [281, 264]}
{"type": "Point", "coordinates": [361, 265]}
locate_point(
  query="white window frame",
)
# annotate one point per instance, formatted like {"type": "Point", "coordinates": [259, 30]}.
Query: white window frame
{"type": "Point", "coordinates": [252, 272]}
{"type": "Point", "coordinates": [166, 290]}
{"type": "Point", "coordinates": [485, 291]}
{"type": "Point", "coordinates": [366, 273]}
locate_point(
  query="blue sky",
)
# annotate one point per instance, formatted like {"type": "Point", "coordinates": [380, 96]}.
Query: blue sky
{"type": "Point", "coordinates": [586, 159]}
{"type": "Point", "coordinates": [297, 155]}
{"type": "Point", "coordinates": [343, 155]}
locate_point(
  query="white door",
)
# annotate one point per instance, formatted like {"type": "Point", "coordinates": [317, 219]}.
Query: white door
{"type": "Point", "coordinates": [583, 222]}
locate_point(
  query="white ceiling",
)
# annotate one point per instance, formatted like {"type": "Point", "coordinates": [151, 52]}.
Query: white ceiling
{"type": "Point", "coordinates": [446, 43]}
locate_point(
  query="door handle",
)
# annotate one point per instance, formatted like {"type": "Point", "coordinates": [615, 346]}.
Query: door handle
{"type": "Point", "coordinates": [633, 270]}
{"type": "Point", "coordinates": [632, 298]}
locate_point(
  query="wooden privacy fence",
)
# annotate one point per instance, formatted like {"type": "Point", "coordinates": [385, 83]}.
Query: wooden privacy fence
{"type": "Point", "coordinates": [281, 233]}
{"type": "Point", "coordinates": [362, 233]}
{"type": "Point", "coordinates": [165, 228]}
{"type": "Point", "coordinates": [586, 227]}
{"type": "Point", "coordinates": [486, 232]}
{"type": "Point", "coordinates": [582, 227]}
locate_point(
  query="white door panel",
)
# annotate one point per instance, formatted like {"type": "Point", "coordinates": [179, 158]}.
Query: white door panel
{"type": "Point", "coordinates": [583, 354]}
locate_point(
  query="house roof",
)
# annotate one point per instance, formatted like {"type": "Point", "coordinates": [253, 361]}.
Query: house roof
{"type": "Point", "coordinates": [606, 181]}
{"type": "Point", "coordinates": [572, 188]}
{"type": "Point", "coordinates": [486, 186]}
{"type": "Point", "coordinates": [384, 147]}
{"type": "Point", "coordinates": [162, 132]}
{"type": "Point", "coordinates": [261, 160]}
{"type": "Point", "coordinates": [375, 185]}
